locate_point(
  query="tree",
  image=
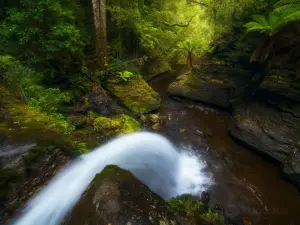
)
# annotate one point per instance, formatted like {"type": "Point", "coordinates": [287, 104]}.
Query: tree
{"type": "Point", "coordinates": [99, 11]}
{"type": "Point", "coordinates": [45, 35]}
{"type": "Point", "coordinates": [290, 9]}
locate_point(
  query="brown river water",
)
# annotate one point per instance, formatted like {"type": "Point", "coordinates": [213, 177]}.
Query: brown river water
{"type": "Point", "coordinates": [246, 183]}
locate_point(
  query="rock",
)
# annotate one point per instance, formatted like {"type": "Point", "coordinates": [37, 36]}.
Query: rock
{"type": "Point", "coordinates": [266, 129]}
{"type": "Point", "coordinates": [156, 127]}
{"type": "Point", "coordinates": [272, 130]}
{"type": "Point", "coordinates": [11, 155]}
{"type": "Point", "coordinates": [291, 167]}
{"type": "Point", "coordinates": [136, 95]}
{"type": "Point", "coordinates": [201, 88]}
{"type": "Point", "coordinates": [156, 68]}
{"type": "Point", "coordinates": [154, 118]}
{"type": "Point", "coordinates": [205, 198]}
{"type": "Point", "coordinates": [99, 100]}
{"type": "Point", "coordinates": [122, 124]}
{"type": "Point", "coordinates": [116, 197]}
{"type": "Point", "coordinates": [279, 84]}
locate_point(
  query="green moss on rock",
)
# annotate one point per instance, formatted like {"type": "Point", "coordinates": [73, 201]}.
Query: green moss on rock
{"type": "Point", "coordinates": [156, 68]}
{"type": "Point", "coordinates": [136, 95]}
{"type": "Point", "coordinates": [203, 88]}
{"type": "Point", "coordinates": [115, 196]}
{"type": "Point", "coordinates": [122, 124]}
{"type": "Point", "coordinates": [8, 177]}
{"type": "Point", "coordinates": [23, 124]}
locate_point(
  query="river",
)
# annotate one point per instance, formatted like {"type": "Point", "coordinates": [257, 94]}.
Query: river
{"type": "Point", "coordinates": [247, 184]}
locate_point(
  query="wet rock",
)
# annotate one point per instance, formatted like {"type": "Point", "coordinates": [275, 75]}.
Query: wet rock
{"type": "Point", "coordinates": [156, 127]}
{"type": "Point", "coordinates": [266, 129]}
{"type": "Point", "coordinates": [291, 166]}
{"type": "Point", "coordinates": [271, 129]}
{"type": "Point", "coordinates": [205, 198]}
{"type": "Point", "coordinates": [99, 100]}
{"type": "Point", "coordinates": [203, 88]}
{"type": "Point", "coordinates": [116, 197]}
{"type": "Point", "coordinates": [156, 68]}
{"type": "Point", "coordinates": [122, 124]}
{"type": "Point", "coordinates": [11, 155]}
{"type": "Point", "coordinates": [154, 118]}
{"type": "Point", "coordinates": [279, 84]}
{"type": "Point", "coordinates": [136, 95]}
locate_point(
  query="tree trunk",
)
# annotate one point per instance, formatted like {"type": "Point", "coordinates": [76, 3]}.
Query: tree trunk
{"type": "Point", "coordinates": [189, 61]}
{"type": "Point", "coordinates": [99, 11]}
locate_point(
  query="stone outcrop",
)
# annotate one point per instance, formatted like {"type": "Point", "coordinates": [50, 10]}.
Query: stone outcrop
{"type": "Point", "coordinates": [156, 68]}
{"type": "Point", "coordinates": [136, 95]}
{"type": "Point", "coordinates": [116, 197]}
{"type": "Point", "coordinates": [214, 84]}
{"type": "Point", "coordinates": [266, 129]}
{"type": "Point", "coordinates": [271, 124]}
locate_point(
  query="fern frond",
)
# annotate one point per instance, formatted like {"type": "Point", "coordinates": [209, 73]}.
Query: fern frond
{"type": "Point", "coordinates": [286, 2]}
{"type": "Point", "coordinates": [260, 19]}
{"type": "Point", "coordinates": [292, 17]}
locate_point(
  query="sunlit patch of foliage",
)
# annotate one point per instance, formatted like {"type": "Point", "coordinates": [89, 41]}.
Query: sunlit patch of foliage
{"type": "Point", "coordinates": [186, 204]}
{"type": "Point", "coordinates": [195, 209]}
{"type": "Point", "coordinates": [44, 34]}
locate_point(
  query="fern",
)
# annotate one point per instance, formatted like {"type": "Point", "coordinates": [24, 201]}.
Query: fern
{"type": "Point", "coordinates": [186, 204]}
{"type": "Point", "coordinates": [267, 25]}
{"type": "Point", "coordinates": [290, 10]}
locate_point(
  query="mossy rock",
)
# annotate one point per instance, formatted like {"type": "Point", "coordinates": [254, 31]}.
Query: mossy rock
{"type": "Point", "coordinates": [136, 95]}
{"type": "Point", "coordinates": [117, 197]}
{"type": "Point", "coordinates": [203, 88]}
{"type": "Point", "coordinates": [156, 68]}
{"type": "Point", "coordinates": [23, 124]}
{"type": "Point", "coordinates": [122, 124]}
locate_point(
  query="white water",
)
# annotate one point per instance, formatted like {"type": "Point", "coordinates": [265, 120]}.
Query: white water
{"type": "Point", "coordinates": [150, 157]}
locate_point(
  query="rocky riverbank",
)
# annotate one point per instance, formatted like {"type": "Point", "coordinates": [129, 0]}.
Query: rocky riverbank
{"type": "Point", "coordinates": [270, 123]}
{"type": "Point", "coordinates": [35, 145]}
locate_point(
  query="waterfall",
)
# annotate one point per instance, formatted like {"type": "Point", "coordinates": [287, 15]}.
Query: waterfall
{"type": "Point", "coordinates": [150, 157]}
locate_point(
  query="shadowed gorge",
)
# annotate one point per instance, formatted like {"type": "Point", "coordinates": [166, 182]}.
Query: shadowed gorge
{"type": "Point", "coordinates": [149, 112]}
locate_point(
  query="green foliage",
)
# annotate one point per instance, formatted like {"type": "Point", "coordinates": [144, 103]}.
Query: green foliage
{"type": "Point", "coordinates": [27, 83]}
{"type": "Point", "coordinates": [120, 70]}
{"type": "Point", "coordinates": [186, 204]}
{"type": "Point", "coordinates": [8, 177]}
{"type": "Point", "coordinates": [44, 34]}
{"type": "Point", "coordinates": [290, 9]}
{"type": "Point", "coordinates": [268, 26]}
{"type": "Point", "coordinates": [122, 124]}
{"type": "Point", "coordinates": [125, 75]}
{"type": "Point", "coordinates": [195, 209]}
{"type": "Point", "coordinates": [81, 147]}
{"type": "Point", "coordinates": [212, 217]}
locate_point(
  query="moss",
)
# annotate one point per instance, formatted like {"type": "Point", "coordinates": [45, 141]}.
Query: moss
{"type": "Point", "coordinates": [156, 68]}
{"type": "Point", "coordinates": [36, 153]}
{"type": "Point", "coordinates": [196, 210]}
{"type": "Point", "coordinates": [136, 95]}
{"type": "Point", "coordinates": [112, 170]}
{"type": "Point", "coordinates": [122, 124]}
{"type": "Point", "coordinates": [8, 177]}
{"type": "Point", "coordinates": [24, 124]}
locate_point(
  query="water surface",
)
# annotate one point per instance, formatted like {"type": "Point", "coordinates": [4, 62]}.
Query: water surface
{"type": "Point", "coordinates": [246, 183]}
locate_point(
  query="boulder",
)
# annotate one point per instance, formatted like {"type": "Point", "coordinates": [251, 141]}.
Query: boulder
{"type": "Point", "coordinates": [272, 130]}
{"type": "Point", "coordinates": [116, 197]}
{"type": "Point", "coordinates": [136, 95]}
{"type": "Point", "coordinates": [100, 101]}
{"type": "Point", "coordinates": [122, 124]}
{"type": "Point", "coordinates": [201, 88]}
{"type": "Point", "coordinates": [279, 84]}
{"type": "Point", "coordinates": [156, 68]}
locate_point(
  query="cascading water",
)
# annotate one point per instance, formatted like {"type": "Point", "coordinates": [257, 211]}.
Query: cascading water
{"type": "Point", "coordinates": [150, 157]}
